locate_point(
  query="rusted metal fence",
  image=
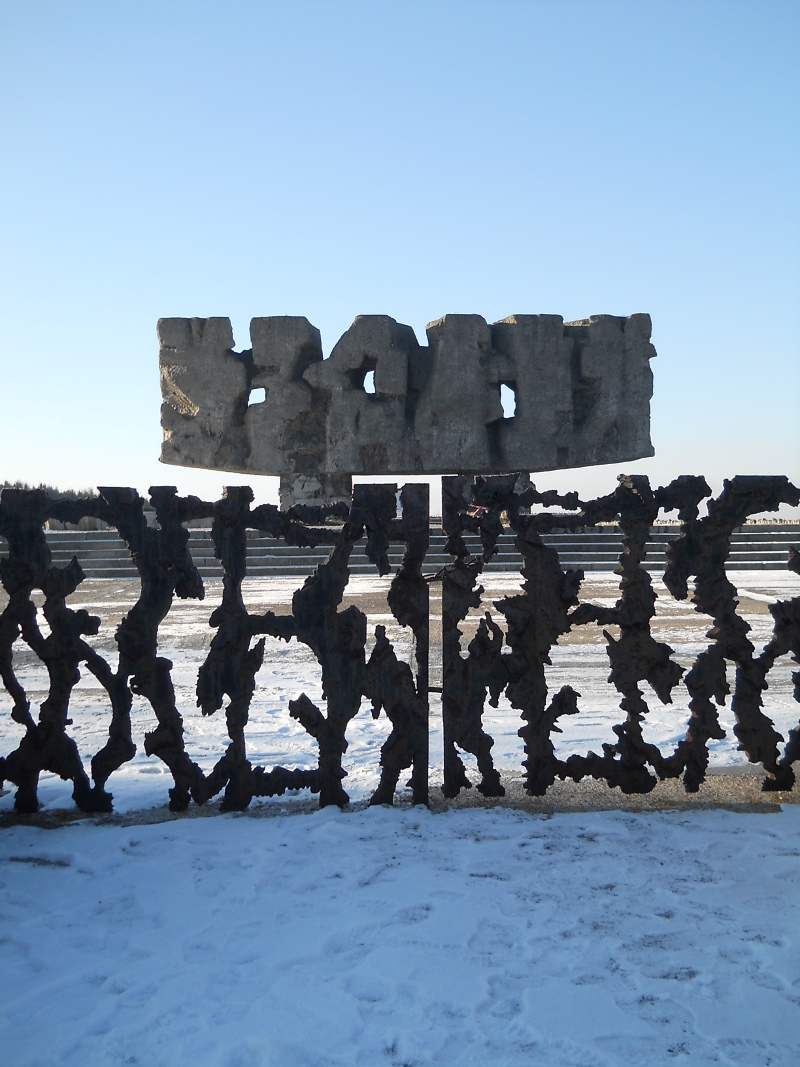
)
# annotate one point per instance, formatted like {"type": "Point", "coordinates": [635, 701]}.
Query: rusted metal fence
{"type": "Point", "coordinates": [507, 655]}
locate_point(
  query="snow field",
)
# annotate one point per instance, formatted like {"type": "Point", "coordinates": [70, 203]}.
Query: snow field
{"type": "Point", "coordinates": [400, 937]}
{"type": "Point", "coordinates": [273, 737]}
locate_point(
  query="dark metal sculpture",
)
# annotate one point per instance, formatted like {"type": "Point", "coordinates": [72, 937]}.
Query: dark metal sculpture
{"type": "Point", "coordinates": [535, 620]}
{"type": "Point", "coordinates": [508, 653]}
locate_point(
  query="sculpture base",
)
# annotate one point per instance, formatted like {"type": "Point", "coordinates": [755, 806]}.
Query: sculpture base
{"type": "Point", "coordinates": [314, 489]}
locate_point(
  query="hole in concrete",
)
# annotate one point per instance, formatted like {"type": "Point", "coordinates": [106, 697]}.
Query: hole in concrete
{"type": "Point", "coordinates": [508, 398]}
{"type": "Point", "coordinates": [363, 377]}
{"type": "Point", "coordinates": [257, 396]}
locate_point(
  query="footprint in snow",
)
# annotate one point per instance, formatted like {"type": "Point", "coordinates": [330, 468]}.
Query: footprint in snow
{"type": "Point", "coordinates": [417, 913]}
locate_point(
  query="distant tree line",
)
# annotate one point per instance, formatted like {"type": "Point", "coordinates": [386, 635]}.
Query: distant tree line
{"type": "Point", "coordinates": [57, 494]}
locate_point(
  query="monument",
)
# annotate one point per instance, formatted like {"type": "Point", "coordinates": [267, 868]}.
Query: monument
{"type": "Point", "coordinates": [384, 404]}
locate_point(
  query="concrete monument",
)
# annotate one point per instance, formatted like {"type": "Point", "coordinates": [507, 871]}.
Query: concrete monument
{"type": "Point", "coordinates": [384, 404]}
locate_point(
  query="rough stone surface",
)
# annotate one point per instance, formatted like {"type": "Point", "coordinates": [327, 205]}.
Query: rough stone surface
{"type": "Point", "coordinates": [582, 393]}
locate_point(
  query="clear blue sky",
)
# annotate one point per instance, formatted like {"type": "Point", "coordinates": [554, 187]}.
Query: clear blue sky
{"type": "Point", "coordinates": [407, 158]}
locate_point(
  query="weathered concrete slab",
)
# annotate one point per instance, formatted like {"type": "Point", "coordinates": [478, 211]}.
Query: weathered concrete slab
{"type": "Point", "coordinates": [582, 394]}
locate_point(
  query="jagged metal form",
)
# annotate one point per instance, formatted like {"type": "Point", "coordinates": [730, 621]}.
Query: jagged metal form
{"type": "Point", "coordinates": [508, 654]}
{"type": "Point", "coordinates": [549, 606]}
{"type": "Point", "coordinates": [337, 638]}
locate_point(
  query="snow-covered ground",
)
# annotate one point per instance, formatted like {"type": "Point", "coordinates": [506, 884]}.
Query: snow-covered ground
{"type": "Point", "coordinates": [400, 936]}
{"type": "Point", "coordinates": [273, 737]}
{"type": "Point", "coordinates": [389, 937]}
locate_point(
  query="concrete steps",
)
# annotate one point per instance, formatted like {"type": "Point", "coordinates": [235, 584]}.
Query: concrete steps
{"type": "Point", "coordinates": [102, 553]}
